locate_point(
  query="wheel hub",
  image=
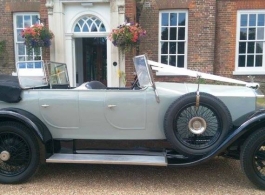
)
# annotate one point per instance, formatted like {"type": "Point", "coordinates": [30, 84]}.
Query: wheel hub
{"type": "Point", "coordinates": [197, 125]}
{"type": "Point", "coordinates": [5, 155]}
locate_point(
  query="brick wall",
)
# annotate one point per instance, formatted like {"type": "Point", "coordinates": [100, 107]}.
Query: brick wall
{"type": "Point", "coordinates": [7, 8]}
{"type": "Point", "coordinates": [201, 32]}
{"type": "Point", "coordinates": [226, 35]}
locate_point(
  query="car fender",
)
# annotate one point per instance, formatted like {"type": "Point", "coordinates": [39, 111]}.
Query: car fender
{"type": "Point", "coordinates": [246, 127]}
{"type": "Point", "coordinates": [29, 120]}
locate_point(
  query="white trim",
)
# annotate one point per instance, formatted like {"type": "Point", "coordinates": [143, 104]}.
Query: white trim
{"type": "Point", "coordinates": [185, 40]}
{"type": "Point", "coordinates": [15, 30]}
{"type": "Point", "coordinates": [81, 14]}
{"type": "Point", "coordinates": [248, 70]}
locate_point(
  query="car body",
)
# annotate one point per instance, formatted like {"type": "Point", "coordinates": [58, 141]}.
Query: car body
{"type": "Point", "coordinates": [177, 124]}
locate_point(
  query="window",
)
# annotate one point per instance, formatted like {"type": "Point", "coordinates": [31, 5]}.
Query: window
{"type": "Point", "coordinates": [250, 42]}
{"type": "Point", "coordinates": [173, 38]}
{"type": "Point", "coordinates": [21, 21]}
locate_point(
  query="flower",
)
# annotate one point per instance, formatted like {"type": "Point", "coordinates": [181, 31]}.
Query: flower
{"type": "Point", "coordinates": [126, 36]}
{"type": "Point", "coordinates": [37, 36]}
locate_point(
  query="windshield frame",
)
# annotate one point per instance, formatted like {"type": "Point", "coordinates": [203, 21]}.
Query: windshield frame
{"type": "Point", "coordinates": [143, 71]}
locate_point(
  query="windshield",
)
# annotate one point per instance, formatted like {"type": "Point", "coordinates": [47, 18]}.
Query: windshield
{"type": "Point", "coordinates": [142, 71]}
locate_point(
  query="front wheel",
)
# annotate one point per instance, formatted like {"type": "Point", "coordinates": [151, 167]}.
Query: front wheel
{"type": "Point", "coordinates": [252, 158]}
{"type": "Point", "coordinates": [19, 153]}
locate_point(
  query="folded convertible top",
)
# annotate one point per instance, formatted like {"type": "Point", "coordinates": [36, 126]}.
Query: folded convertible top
{"type": "Point", "coordinates": [10, 90]}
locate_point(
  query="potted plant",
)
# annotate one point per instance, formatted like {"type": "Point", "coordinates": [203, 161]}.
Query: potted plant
{"type": "Point", "coordinates": [36, 37]}
{"type": "Point", "coordinates": [126, 36]}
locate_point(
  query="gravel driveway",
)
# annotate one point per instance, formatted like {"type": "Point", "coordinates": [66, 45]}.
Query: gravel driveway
{"type": "Point", "coordinates": [218, 176]}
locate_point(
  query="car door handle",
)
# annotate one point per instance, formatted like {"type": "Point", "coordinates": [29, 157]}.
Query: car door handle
{"type": "Point", "coordinates": [45, 105]}
{"type": "Point", "coordinates": [111, 106]}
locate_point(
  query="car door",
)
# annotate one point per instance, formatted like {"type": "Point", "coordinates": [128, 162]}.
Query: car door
{"type": "Point", "coordinates": [126, 109]}
{"type": "Point", "coordinates": [59, 108]}
{"type": "Point", "coordinates": [111, 113]}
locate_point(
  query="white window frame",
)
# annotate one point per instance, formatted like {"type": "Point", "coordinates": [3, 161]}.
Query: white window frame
{"type": "Point", "coordinates": [15, 32]}
{"type": "Point", "coordinates": [248, 70]}
{"type": "Point", "coordinates": [185, 40]}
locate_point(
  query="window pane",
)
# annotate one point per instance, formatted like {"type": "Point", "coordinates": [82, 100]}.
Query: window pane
{"type": "Point", "coordinates": [19, 22]}
{"type": "Point", "coordinates": [164, 33]}
{"type": "Point", "coordinates": [182, 19]}
{"type": "Point", "coordinates": [243, 33]}
{"type": "Point", "coordinates": [172, 47]}
{"type": "Point", "coordinates": [35, 19]}
{"type": "Point", "coordinates": [250, 60]}
{"type": "Point", "coordinates": [27, 22]}
{"type": "Point", "coordinates": [21, 58]}
{"type": "Point", "coordinates": [242, 47]}
{"type": "Point", "coordinates": [259, 47]}
{"type": "Point", "coordinates": [21, 49]}
{"type": "Point", "coordinates": [181, 33]}
{"type": "Point", "coordinates": [77, 28]}
{"type": "Point", "coordinates": [252, 34]}
{"type": "Point", "coordinates": [252, 19]}
{"type": "Point", "coordinates": [173, 33]}
{"type": "Point", "coordinates": [258, 60]}
{"type": "Point", "coordinates": [19, 37]}
{"type": "Point", "coordinates": [85, 28]}
{"type": "Point", "coordinates": [244, 19]}
{"type": "Point", "coordinates": [30, 65]}
{"type": "Point", "coordinates": [164, 60]}
{"type": "Point", "coordinates": [181, 61]}
{"type": "Point", "coordinates": [172, 60]}
{"type": "Point", "coordinates": [102, 28]}
{"type": "Point", "coordinates": [164, 19]}
{"type": "Point", "coordinates": [181, 47]}
{"type": "Point", "coordinates": [173, 19]}
{"type": "Point", "coordinates": [251, 47]}
{"type": "Point", "coordinates": [241, 61]}
{"type": "Point", "coordinates": [164, 48]}
{"type": "Point", "coordinates": [37, 64]}
{"type": "Point", "coordinates": [94, 28]}
{"type": "Point", "coordinates": [261, 20]}
{"type": "Point", "coordinates": [22, 65]}
{"type": "Point", "coordinates": [260, 33]}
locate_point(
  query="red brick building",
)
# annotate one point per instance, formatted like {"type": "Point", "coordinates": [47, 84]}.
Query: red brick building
{"type": "Point", "coordinates": [223, 37]}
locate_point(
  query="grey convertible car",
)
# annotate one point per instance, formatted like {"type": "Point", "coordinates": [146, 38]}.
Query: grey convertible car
{"type": "Point", "coordinates": [43, 120]}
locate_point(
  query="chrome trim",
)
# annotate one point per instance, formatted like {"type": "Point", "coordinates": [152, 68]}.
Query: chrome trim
{"type": "Point", "coordinates": [5, 155]}
{"type": "Point", "coordinates": [108, 159]}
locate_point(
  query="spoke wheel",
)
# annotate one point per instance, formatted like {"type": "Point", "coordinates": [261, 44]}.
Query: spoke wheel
{"type": "Point", "coordinates": [196, 130]}
{"type": "Point", "coordinates": [252, 158]}
{"type": "Point", "coordinates": [15, 154]}
{"type": "Point", "coordinates": [19, 153]}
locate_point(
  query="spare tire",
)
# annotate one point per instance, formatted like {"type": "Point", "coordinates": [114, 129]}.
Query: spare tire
{"type": "Point", "coordinates": [195, 130]}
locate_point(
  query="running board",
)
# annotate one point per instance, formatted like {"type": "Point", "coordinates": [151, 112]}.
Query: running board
{"type": "Point", "coordinates": [109, 159]}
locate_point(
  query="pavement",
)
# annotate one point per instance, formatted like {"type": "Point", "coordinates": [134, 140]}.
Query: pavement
{"type": "Point", "coordinates": [218, 176]}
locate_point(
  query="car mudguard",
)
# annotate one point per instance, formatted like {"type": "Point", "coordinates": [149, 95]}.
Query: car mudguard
{"type": "Point", "coordinates": [29, 120]}
{"type": "Point", "coordinates": [246, 127]}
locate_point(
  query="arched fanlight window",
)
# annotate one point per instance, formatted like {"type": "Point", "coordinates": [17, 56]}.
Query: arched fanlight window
{"type": "Point", "coordinates": [89, 24]}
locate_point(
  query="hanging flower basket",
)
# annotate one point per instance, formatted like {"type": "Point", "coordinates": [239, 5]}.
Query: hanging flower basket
{"type": "Point", "coordinates": [36, 37]}
{"type": "Point", "coordinates": [127, 36]}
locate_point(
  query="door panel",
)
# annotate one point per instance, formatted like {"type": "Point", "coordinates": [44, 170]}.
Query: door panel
{"type": "Point", "coordinates": [126, 109]}
{"type": "Point", "coordinates": [59, 108]}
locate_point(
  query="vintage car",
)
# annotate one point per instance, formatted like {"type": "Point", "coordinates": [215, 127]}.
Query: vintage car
{"type": "Point", "coordinates": [44, 120]}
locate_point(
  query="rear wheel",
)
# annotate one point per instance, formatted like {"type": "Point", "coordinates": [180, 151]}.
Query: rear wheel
{"type": "Point", "coordinates": [196, 129]}
{"type": "Point", "coordinates": [252, 158]}
{"type": "Point", "coordinates": [19, 153]}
